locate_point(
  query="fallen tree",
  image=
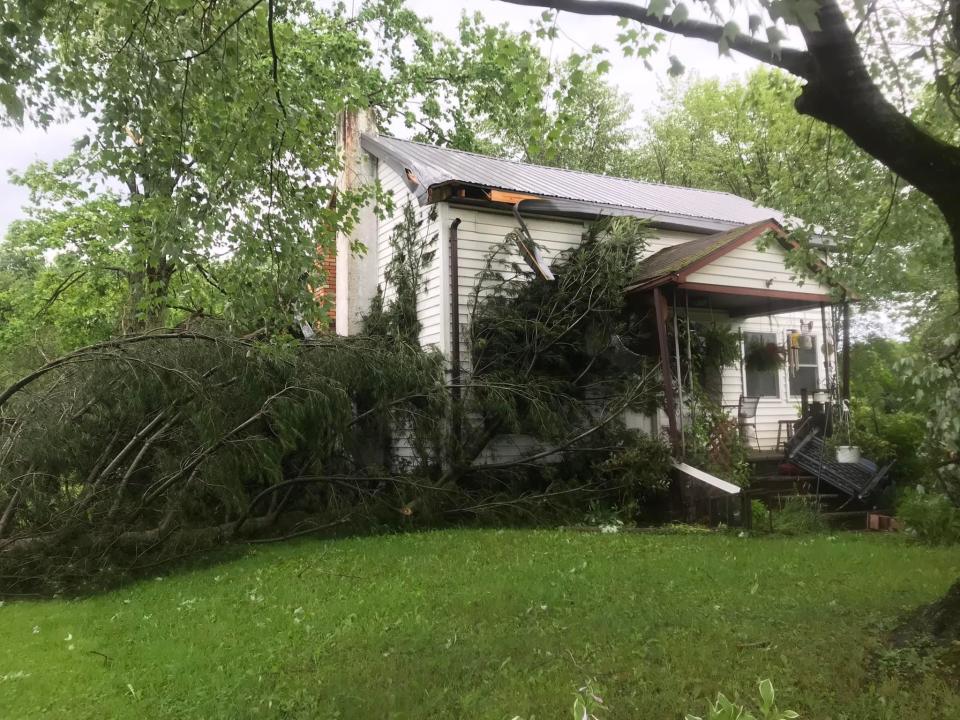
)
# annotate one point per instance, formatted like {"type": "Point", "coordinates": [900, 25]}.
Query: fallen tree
{"type": "Point", "coordinates": [127, 454]}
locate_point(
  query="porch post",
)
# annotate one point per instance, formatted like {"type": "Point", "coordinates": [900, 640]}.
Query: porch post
{"type": "Point", "coordinates": [846, 350]}
{"type": "Point", "coordinates": [659, 305]}
{"type": "Point", "coordinates": [824, 345]}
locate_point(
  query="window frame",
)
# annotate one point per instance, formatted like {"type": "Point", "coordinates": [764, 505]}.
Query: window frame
{"type": "Point", "coordinates": [815, 364]}
{"type": "Point", "coordinates": [765, 336]}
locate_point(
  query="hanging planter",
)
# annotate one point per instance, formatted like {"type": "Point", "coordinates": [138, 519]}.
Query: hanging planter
{"type": "Point", "coordinates": [764, 357]}
{"type": "Point", "coordinates": [848, 454]}
{"type": "Point", "coordinates": [720, 346]}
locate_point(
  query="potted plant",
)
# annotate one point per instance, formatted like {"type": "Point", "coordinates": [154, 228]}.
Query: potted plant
{"type": "Point", "coordinates": [720, 346]}
{"type": "Point", "coordinates": [764, 357]}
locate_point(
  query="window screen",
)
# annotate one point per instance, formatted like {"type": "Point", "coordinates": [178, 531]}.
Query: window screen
{"type": "Point", "coordinates": [761, 383]}
{"type": "Point", "coordinates": [806, 376]}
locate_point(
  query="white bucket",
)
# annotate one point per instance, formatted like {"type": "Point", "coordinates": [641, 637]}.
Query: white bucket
{"type": "Point", "coordinates": [848, 454]}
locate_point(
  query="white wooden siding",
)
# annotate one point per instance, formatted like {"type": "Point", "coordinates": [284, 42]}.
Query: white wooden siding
{"type": "Point", "coordinates": [480, 232]}
{"type": "Point", "coordinates": [750, 267]}
{"type": "Point", "coordinates": [429, 299]}
{"type": "Point", "coordinates": [661, 239]}
{"type": "Point", "coordinates": [432, 289]}
{"type": "Point", "coordinates": [783, 407]}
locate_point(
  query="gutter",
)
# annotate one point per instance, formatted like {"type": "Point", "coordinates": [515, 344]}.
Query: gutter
{"type": "Point", "coordinates": [455, 374]}
{"type": "Point", "coordinates": [528, 247]}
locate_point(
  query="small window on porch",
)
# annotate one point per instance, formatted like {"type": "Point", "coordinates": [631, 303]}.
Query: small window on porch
{"type": "Point", "coordinates": [806, 375]}
{"type": "Point", "coordinates": [761, 383]}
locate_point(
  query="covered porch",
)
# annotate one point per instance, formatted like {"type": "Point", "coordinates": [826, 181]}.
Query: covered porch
{"type": "Point", "coordinates": [740, 280]}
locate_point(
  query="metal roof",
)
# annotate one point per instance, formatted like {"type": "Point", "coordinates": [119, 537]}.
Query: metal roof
{"type": "Point", "coordinates": [574, 191]}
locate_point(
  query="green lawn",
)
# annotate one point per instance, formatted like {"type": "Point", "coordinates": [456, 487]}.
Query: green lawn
{"type": "Point", "coordinates": [484, 624]}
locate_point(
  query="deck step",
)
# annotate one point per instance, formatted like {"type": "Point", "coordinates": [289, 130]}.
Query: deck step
{"type": "Point", "coordinates": [783, 483]}
{"type": "Point", "coordinates": [783, 478]}
{"type": "Point", "coordinates": [773, 492]}
{"type": "Point", "coordinates": [756, 456]}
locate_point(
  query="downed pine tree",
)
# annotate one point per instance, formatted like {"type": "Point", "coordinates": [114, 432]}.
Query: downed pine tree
{"type": "Point", "coordinates": [131, 453]}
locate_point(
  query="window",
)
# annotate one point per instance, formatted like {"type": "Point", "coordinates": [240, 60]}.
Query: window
{"type": "Point", "coordinates": [806, 375]}
{"type": "Point", "coordinates": [760, 383]}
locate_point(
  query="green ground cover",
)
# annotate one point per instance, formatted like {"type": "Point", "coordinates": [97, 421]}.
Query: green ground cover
{"type": "Point", "coordinates": [486, 624]}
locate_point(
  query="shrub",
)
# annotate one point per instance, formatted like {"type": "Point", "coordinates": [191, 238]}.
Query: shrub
{"type": "Point", "coordinates": [761, 516]}
{"type": "Point", "coordinates": [895, 436]}
{"type": "Point", "coordinates": [931, 516]}
{"type": "Point", "coordinates": [639, 469]}
{"type": "Point", "coordinates": [715, 444]}
{"type": "Point", "coordinates": [799, 515]}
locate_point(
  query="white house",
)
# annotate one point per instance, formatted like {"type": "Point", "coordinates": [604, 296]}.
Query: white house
{"type": "Point", "coordinates": [705, 256]}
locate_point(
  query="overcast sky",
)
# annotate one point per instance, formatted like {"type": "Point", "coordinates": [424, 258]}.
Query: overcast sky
{"type": "Point", "coordinates": [19, 148]}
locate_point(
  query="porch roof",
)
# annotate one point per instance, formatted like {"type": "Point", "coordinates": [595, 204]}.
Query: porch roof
{"type": "Point", "coordinates": [694, 254]}
{"type": "Point", "coordinates": [678, 265]}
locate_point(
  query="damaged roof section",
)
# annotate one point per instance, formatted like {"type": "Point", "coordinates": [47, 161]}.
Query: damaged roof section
{"type": "Point", "coordinates": [427, 167]}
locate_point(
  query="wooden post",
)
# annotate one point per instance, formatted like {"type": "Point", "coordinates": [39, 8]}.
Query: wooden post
{"type": "Point", "coordinates": [846, 350]}
{"type": "Point", "coordinates": [660, 310]}
{"type": "Point", "coordinates": [746, 511]}
{"type": "Point", "coordinates": [826, 385]}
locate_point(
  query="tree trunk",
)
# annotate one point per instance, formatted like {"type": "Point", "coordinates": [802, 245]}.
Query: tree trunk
{"type": "Point", "coordinates": [939, 620]}
{"type": "Point", "coordinates": [951, 212]}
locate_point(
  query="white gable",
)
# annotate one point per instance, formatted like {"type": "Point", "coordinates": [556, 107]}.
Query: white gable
{"type": "Point", "coordinates": [750, 267]}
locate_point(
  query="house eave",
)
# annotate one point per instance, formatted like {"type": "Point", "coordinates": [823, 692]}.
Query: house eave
{"type": "Point", "coordinates": [584, 211]}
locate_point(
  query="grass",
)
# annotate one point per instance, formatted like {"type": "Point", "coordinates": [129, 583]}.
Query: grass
{"type": "Point", "coordinates": [485, 624]}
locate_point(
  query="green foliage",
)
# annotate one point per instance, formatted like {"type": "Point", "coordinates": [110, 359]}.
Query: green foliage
{"type": "Point", "coordinates": [760, 516]}
{"type": "Point", "coordinates": [724, 709]}
{"type": "Point", "coordinates": [934, 376]}
{"type": "Point", "coordinates": [413, 246]}
{"type": "Point", "coordinates": [799, 515]}
{"type": "Point", "coordinates": [898, 391]}
{"type": "Point", "coordinates": [47, 308]}
{"type": "Point", "coordinates": [157, 442]}
{"type": "Point", "coordinates": [565, 343]}
{"type": "Point", "coordinates": [764, 357]}
{"type": "Point", "coordinates": [875, 377]}
{"type": "Point", "coordinates": [714, 442]}
{"type": "Point", "coordinates": [891, 437]}
{"type": "Point", "coordinates": [716, 346]}
{"type": "Point", "coordinates": [639, 470]}
{"type": "Point", "coordinates": [745, 137]}
{"type": "Point", "coordinates": [197, 437]}
{"type": "Point", "coordinates": [495, 92]}
{"type": "Point", "coordinates": [484, 624]}
{"type": "Point", "coordinates": [932, 517]}
{"type": "Point", "coordinates": [219, 124]}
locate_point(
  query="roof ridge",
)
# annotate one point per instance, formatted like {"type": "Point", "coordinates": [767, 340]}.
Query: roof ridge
{"type": "Point", "coordinates": [553, 167]}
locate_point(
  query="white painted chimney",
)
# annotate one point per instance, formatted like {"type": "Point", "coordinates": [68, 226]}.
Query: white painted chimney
{"type": "Point", "coordinates": [356, 276]}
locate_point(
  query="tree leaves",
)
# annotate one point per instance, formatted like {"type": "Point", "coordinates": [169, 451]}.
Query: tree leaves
{"type": "Point", "coordinates": [680, 14]}
{"type": "Point", "coordinates": [223, 159]}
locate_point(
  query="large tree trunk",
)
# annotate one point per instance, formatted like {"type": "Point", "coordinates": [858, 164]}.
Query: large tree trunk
{"type": "Point", "coordinates": [841, 93]}
{"type": "Point", "coordinates": [939, 620]}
